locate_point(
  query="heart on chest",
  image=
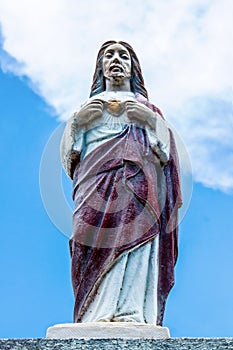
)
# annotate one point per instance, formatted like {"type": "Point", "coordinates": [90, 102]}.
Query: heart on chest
{"type": "Point", "coordinates": [115, 107]}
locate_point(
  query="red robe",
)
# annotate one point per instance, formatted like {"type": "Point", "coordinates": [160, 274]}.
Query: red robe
{"type": "Point", "coordinates": [117, 209]}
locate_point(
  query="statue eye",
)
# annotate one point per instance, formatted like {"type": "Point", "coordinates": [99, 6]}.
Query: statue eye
{"type": "Point", "coordinates": [125, 56]}
{"type": "Point", "coordinates": [108, 54]}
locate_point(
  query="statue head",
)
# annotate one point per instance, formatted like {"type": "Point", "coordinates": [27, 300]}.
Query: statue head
{"type": "Point", "coordinates": [136, 79]}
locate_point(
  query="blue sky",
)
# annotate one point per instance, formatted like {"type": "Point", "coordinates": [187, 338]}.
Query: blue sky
{"type": "Point", "coordinates": [35, 93]}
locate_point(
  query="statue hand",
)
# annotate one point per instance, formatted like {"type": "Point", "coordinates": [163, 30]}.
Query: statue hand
{"type": "Point", "coordinates": [140, 113]}
{"type": "Point", "coordinates": [89, 113]}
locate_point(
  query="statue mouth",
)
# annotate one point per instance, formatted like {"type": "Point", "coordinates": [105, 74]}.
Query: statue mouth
{"type": "Point", "coordinates": [115, 68]}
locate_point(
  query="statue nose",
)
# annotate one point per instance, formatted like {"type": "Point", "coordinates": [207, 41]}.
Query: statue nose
{"type": "Point", "coordinates": [116, 59]}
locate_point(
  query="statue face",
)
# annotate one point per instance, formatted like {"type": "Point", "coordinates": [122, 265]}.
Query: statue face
{"type": "Point", "coordinates": [116, 62]}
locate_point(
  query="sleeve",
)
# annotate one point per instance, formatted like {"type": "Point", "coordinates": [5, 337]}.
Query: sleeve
{"type": "Point", "coordinates": [71, 146]}
{"type": "Point", "coordinates": [160, 139]}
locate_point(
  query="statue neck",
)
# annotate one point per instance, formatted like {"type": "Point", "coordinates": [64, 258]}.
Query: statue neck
{"type": "Point", "coordinates": [118, 84]}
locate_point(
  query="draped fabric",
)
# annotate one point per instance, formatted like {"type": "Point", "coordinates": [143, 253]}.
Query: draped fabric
{"type": "Point", "coordinates": [117, 209]}
{"type": "Point", "coordinates": [128, 291]}
{"type": "Point", "coordinates": [168, 238]}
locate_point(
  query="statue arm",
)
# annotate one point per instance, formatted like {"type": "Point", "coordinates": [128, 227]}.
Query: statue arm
{"type": "Point", "coordinates": [73, 137]}
{"type": "Point", "coordinates": [158, 134]}
{"type": "Point", "coordinates": [71, 145]}
{"type": "Point", "coordinates": [159, 138]}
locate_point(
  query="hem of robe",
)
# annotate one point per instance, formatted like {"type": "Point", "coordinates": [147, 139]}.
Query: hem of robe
{"type": "Point", "coordinates": [99, 280]}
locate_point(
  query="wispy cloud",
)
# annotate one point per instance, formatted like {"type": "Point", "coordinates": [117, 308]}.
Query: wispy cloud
{"type": "Point", "coordinates": [185, 52]}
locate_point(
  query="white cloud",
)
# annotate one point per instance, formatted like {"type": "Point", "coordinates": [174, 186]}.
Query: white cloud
{"type": "Point", "coordinates": [184, 49]}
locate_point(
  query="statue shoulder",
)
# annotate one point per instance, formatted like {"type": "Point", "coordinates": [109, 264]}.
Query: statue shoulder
{"type": "Point", "coordinates": [146, 102]}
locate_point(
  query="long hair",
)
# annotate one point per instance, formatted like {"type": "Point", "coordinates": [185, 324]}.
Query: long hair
{"type": "Point", "coordinates": [136, 80]}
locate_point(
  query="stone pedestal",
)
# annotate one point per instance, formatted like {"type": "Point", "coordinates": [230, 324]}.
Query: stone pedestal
{"type": "Point", "coordinates": [119, 344]}
{"type": "Point", "coordinates": [107, 330]}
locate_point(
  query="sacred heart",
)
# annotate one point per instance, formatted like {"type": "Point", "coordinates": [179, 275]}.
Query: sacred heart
{"type": "Point", "coordinates": [115, 107]}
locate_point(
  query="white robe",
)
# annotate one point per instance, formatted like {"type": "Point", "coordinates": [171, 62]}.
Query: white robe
{"type": "Point", "coordinates": [128, 292]}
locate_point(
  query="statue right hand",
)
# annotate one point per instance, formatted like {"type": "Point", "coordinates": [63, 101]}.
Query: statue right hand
{"type": "Point", "coordinates": [91, 111]}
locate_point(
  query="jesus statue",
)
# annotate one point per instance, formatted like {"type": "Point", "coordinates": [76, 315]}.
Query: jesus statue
{"type": "Point", "coordinates": [121, 155]}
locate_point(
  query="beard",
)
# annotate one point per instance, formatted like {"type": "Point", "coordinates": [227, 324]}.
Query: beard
{"type": "Point", "coordinates": [117, 76]}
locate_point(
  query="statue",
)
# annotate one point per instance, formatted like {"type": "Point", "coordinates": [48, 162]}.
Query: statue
{"type": "Point", "coordinates": [121, 156]}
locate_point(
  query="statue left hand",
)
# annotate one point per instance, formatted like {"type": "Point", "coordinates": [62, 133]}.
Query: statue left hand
{"type": "Point", "coordinates": [138, 112]}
